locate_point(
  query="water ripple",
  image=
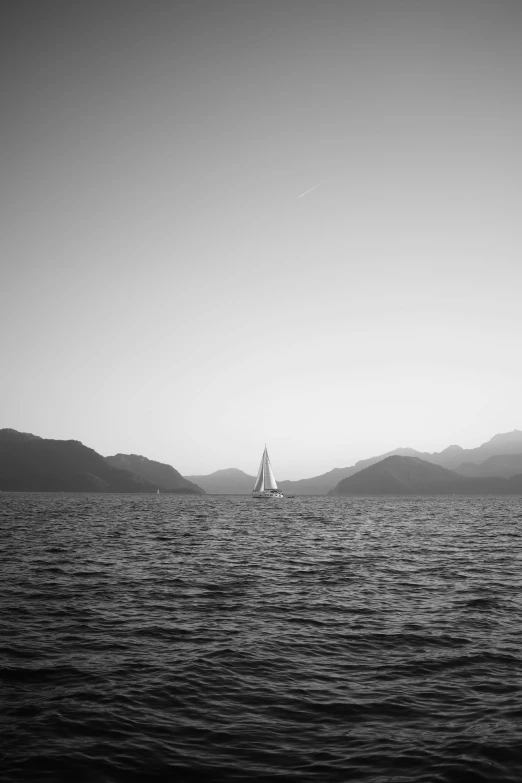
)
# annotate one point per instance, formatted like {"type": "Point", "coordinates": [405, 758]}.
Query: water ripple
{"type": "Point", "coordinates": [147, 638]}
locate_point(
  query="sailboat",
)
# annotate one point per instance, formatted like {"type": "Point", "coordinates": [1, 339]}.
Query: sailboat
{"type": "Point", "coordinates": [266, 485]}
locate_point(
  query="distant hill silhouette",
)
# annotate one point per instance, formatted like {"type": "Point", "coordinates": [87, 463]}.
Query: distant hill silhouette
{"type": "Point", "coordinates": [30, 463]}
{"type": "Point", "coordinates": [223, 481]}
{"type": "Point", "coordinates": [229, 481]}
{"type": "Point", "coordinates": [232, 481]}
{"type": "Point", "coordinates": [321, 485]}
{"type": "Point", "coordinates": [397, 475]}
{"type": "Point", "coordinates": [10, 436]}
{"type": "Point", "coordinates": [453, 456]}
{"type": "Point", "coordinates": [161, 475]}
{"type": "Point", "coordinates": [500, 465]}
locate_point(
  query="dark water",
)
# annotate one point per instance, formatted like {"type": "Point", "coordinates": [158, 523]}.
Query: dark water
{"type": "Point", "coordinates": [221, 638]}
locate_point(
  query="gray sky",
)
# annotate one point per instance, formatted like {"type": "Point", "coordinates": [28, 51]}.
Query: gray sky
{"type": "Point", "coordinates": [163, 289]}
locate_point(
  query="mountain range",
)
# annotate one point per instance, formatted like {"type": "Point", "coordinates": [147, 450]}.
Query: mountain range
{"type": "Point", "coordinates": [29, 463]}
{"type": "Point", "coordinates": [230, 481]}
{"type": "Point", "coordinates": [398, 475]}
{"type": "Point", "coordinates": [160, 475]}
{"type": "Point", "coordinates": [499, 457]}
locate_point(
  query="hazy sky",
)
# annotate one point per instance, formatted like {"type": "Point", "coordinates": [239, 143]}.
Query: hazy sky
{"type": "Point", "coordinates": [163, 289]}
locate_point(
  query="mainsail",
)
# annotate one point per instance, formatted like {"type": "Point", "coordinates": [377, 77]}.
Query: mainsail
{"type": "Point", "coordinates": [265, 477]}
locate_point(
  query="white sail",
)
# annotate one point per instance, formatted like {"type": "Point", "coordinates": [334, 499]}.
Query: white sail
{"type": "Point", "coordinates": [270, 482]}
{"type": "Point", "coordinates": [265, 477]}
{"type": "Point", "coordinates": [260, 480]}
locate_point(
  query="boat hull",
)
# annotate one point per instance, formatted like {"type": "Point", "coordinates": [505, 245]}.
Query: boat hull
{"type": "Point", "coordinates": [268, 494]}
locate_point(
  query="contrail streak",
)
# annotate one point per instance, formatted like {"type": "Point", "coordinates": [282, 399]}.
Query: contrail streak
{"type": "Point", "coordinates": [309, 191]}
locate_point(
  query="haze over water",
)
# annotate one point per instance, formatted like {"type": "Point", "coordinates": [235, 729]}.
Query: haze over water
{"type": "Point", "coordinates": [219, 638]}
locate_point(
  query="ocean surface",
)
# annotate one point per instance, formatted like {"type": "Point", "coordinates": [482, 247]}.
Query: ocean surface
{"type": "Point", "coordinates": [220, 638]}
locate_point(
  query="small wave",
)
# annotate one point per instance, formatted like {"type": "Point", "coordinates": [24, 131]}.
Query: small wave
{"type": "Point", "coordinates": [203, 638]}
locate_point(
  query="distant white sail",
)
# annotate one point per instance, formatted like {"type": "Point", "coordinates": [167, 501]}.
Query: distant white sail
{"type": "Point", "coordinates": [270, 482]}
{"type": "Point", "coordinates": [260, 480]}
{"type": "Point", "coordinates": [265, 477]}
